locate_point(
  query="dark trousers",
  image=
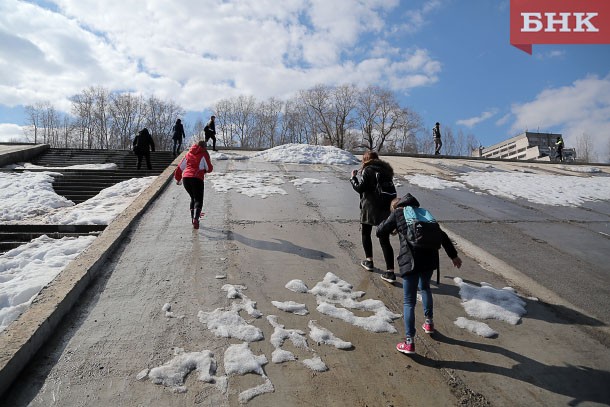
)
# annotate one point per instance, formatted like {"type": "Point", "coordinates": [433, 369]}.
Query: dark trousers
{"type": "Point", "coordinates": [211, 136]}
{"type": "Point", "coordinates": [386, 246]}
{"type": "Point", "coordinates": [194, 187]}
{"type": "Point", "coordinates": [147, 155]}
{"type": "Point", "coordinates": [437, 145]}
{"type": "Point", "coordinates": [177, 146]}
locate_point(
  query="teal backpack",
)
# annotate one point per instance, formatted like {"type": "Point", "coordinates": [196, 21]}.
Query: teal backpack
{"type": "Point", "coordinates": [423, 232]}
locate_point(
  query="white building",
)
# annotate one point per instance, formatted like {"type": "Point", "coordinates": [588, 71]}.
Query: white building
{"type": "Point", "coordinates": [526, 146]}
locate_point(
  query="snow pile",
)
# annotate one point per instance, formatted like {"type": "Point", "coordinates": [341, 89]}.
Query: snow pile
{"type": "Point", "coordinates": [477, 327]}
{"type": "Point", "coordinates": [24, 271]}
{"type": "Point", "coordinates": [251, 184]}
{"type": "Point", "coordinates": [487, 302]}
{"type": "Point", "coordinates": [173, 373]}
{"type": "Point", "coordinates": [104, 207]}
{"type": "Point", "coordinates": [28, 194]}
{"type": "Point", "coordinates": [307, 154]}
{"type": "Point", "coordinates": [332, 290]}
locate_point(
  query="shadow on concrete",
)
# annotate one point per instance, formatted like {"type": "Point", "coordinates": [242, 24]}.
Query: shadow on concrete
{"type": "Point", "coordinates": [582, 384]}
{"type": "Point", "coordinates": [280, 245]}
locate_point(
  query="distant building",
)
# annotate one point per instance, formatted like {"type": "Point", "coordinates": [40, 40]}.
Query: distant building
{"type": "Point", "coordinates": [526, 146]}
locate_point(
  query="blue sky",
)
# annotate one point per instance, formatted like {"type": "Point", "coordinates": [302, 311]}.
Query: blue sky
{"type": "Point", "coordinates": [449, 60]}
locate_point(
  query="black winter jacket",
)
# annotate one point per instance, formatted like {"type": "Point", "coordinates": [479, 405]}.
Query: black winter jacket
{"type": "Point", "coordinates": [179, 132]}
{"type": "Point", "coordinates": [372, 211]}
{"type": "Point", "coordinates": [411, 260]}
{"type": "Point", "coordinates": [143, 143]}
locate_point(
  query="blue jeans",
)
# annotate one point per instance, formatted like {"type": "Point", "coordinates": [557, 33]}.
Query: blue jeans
{"type": "Point", "coordinates": [410, 283]}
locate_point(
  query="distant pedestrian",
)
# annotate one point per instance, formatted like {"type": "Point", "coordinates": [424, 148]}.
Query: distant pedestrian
{"type": "Point", "coordinates": [178, 137]}
{"type": "Point", "coordinates": [559, 148]}
{"type": "Point", "coordinates": [210, 132]}
{"type": "Point", "coordinates": [416, 268]}
{"type": "Point", "coordinates": [436, 135]}
{"type": "Point", "coordinates": [143, 143]}
{"type": "Point", "coordinates": [191, 171]}
{"type": "Point", "coordinates": [373, 210]}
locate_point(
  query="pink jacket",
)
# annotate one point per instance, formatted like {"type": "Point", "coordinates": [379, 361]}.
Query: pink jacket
{"type": "Point", "coordinates": [195, 164]}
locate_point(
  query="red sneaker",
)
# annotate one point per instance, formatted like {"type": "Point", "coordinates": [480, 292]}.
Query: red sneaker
{"type": "Point", "coordinates": [195, 223]}
{"type": "Point", "coordinates": [428, 326]}
{"type": "Point", "coordinates": [407, 346]}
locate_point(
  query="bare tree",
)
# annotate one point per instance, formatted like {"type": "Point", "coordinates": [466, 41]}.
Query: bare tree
{"type": "Point", "coordinates": [409, 126]}
{"type": "Point", "coordinates": [34, 113]}
{"type": "Point", "coordinates": [316, 102]}
{"type": "Point", "coordinates": [100, 117]}
{"type": "Point", "coordinates": [460, 144]}
{"type": "Point", "coordinates": [267, 123]}
{"type": "Point", "coordinates": [332, 109]}
{"type": "Point", "coordinates": [344, 102]}
{"type": "Point", "coordinates": [160, 119]}
{"type": "Point", "coordinates": [225, 128]}
{"type": "Point", "coordinates": [472, 144]}
{"type": "Point", "coordinates": [425, 142]}
{"type": "Point", "coordinates": [67, 128]}
{"type": "Point", "coordinates": [585, 148]}
{"type": "Point", "coordinates": [82, 109]}
{"type": "Point", "coordinates": [449, 144]}
{"type": "Point", "coordinates": [244, 119]}
{"type": "Point", "coordinates": [367, 108]}
{"type": "Point", "coordinates": [296, 126]}
{"type": "Point", "coordinates": [128, 114]}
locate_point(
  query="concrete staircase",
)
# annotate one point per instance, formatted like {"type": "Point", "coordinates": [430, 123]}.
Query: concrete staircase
{"type": "Point", "coordinates": [78, 185]}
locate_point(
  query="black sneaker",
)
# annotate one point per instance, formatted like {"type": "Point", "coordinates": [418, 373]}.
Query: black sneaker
{"type": "Point", "coordinates": [389, 276]}
{"type": "Point", "coordinates": [368, 265]}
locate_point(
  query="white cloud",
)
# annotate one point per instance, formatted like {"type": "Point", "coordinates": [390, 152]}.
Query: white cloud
{"type": "Point", "coordinates": [416, 19]}
{"type": "Point", "coordinates": [197, 52]}
{"type": "Point", "coordinates": [503, 120]}
{"type": "Point", "coordinates": [11, 132]}
{"type": "Point", "coordinates": [473, 121]}
{"type": "Point", "coordinates": [580, 108]}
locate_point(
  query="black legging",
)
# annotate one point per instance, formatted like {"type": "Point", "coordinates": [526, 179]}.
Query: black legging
{"type": "Point", "coordinates": [194, 187]}
{"type": "Point", "coordinates": [146, 155]}
{"type": "Point", "coordinates": [386, 246]}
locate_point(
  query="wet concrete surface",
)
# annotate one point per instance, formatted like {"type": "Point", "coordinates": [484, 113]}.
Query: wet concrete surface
{"type": "Point", "coordinates": [557, 355]}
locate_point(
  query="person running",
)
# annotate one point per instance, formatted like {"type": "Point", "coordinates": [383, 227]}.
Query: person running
{"type": "Point", "coordinates": [436, 135]}
{"type": "Point", "coordinates": [373, 210]}
{"type": "Point", "coordinates": [416, 268]}
{"type": "Point", "coordinates": [143, 143]}
{"type": "Point", "coordinates": [191, 171]}
{"type": "Point", "coordinates": [178, 137]}
{"type": "Point", "coordinates": [210, 132]}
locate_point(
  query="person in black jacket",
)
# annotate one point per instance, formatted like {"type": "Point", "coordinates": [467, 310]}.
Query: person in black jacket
{"type": "Point", "coordinates": [142, 144]}
{"type": "Point", "coordinates": [178, 137]}
{"type": "Point", "coordinates": [210, 132]}
{"type": "Point", "coordinates": [373, 210]}
{"type": "Point", "coordinates": [416, 267]}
